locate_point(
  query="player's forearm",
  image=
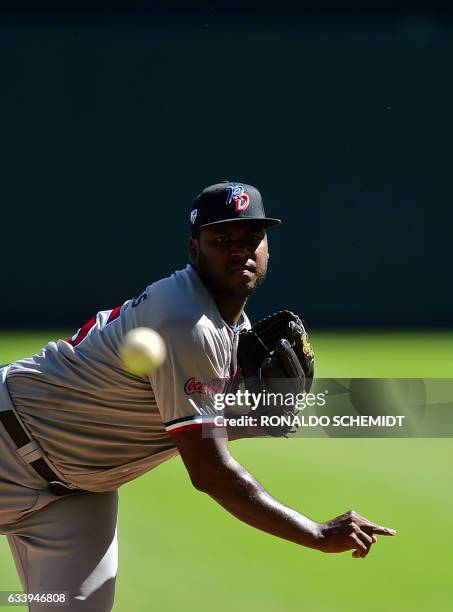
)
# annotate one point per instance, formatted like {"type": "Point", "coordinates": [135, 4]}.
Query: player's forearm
{"type": "Point", "coordinates": [243, 496]}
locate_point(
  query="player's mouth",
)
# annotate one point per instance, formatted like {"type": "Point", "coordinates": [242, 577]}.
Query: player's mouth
{"type": "Point", "coordinates": [240, 269]}
{"type": "Point", "coordinates": [243, 267]}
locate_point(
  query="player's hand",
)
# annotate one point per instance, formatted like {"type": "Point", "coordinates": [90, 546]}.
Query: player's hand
{"type": "Point", "coordinates": [350, 531]}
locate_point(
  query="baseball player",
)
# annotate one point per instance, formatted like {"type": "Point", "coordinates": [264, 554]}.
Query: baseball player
{"type": "Point", "coordinates": [75, 426]}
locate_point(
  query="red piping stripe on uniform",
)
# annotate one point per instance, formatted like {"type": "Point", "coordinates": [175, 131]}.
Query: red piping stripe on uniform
{"type": "Point", "coordinates": [114, 314]}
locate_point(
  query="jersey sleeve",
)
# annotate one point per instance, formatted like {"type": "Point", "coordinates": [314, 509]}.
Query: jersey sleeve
{"type": "Point", "coordinates": [186, 385]}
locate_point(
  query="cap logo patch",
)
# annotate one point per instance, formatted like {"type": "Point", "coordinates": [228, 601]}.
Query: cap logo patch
{"type": "Point", "coordinates": [236, 194]}
{"type": "Point", "coordinates": [193, 216]}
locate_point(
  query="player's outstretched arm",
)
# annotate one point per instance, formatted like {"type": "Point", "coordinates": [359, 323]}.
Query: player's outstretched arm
{"type": "Point", "coordinates": [214, 471]}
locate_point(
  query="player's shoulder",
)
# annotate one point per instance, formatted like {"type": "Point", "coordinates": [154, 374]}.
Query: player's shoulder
{"type": "Point", "coordinates": [176, 303]}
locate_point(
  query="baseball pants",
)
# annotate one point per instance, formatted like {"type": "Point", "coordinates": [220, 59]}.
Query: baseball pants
{"type": "Point", "coordinates": [59, 544]}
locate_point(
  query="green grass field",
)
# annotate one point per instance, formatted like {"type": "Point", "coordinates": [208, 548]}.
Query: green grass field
{"type": "Point", "coordinates": [179, 551]}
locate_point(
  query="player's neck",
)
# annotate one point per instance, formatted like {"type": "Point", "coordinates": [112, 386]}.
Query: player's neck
{"type": "Point", "coordinates": [230, 308]}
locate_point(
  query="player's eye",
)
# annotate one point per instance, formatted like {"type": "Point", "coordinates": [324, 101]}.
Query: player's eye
{"type": "Point", "coordinates": [222, 240]}
{"type": "Point", "coordinates": [255, 239]}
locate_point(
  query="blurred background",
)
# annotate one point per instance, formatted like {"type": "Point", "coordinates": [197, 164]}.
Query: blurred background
{"type": "Point", "coordinates": [114, 115]}
{"type": "Point", "coordinates": [112, 121]}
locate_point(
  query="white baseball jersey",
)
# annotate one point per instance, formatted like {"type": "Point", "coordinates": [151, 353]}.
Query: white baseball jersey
{"type": "Point", "coordinates": [101, 426]}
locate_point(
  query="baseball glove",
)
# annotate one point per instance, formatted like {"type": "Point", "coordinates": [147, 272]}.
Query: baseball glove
{"type": "Point", "coordinates": [276, 356]}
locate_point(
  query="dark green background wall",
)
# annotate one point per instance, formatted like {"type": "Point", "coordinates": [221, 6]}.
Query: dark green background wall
{"type": "Point", "coordinates": [110, 125]}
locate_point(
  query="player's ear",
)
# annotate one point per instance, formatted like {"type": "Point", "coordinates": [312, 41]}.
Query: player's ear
{"type": "Point", "coordinates": [193, 250]}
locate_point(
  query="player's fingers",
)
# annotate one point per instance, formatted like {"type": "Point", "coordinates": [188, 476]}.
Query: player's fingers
{"type": "Point", "coordinates": [366, 540]}
{"type": "Point", "coordinates": [371, 528]}
{"type": "Point", "coordinates": [374, 538]}
{"type": "Point", "coordinates": [360, 547]}
{"type": "Point", "coordinates": [368, 525]}
{"type": "Point", "coordinates": [360, 556]}
{"type": "Point", "coordinates": [368, 543]}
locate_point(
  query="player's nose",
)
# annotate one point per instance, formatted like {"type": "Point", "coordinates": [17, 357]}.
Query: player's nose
{"type": "Point", "coordinates": [242, 249]}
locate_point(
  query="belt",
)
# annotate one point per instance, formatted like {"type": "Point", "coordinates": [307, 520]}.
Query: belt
{"type": "Point", "coordinates": [24, 446]}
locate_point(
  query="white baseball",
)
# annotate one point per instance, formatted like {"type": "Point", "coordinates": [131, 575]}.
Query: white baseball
{"type": "Point", "coordinates": [143, 351]}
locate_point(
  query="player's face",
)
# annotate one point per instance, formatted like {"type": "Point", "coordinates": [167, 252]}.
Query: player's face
{"type": "Point", "coordinates": [231, 257]}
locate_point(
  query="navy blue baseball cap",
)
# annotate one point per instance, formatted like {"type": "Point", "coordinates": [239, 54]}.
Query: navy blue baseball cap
{"type": "Point", "coordinates": [228, 201]}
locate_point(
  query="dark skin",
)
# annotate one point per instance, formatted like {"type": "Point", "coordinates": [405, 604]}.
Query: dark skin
{"type": "Point", "coordinates": [231, 259]}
